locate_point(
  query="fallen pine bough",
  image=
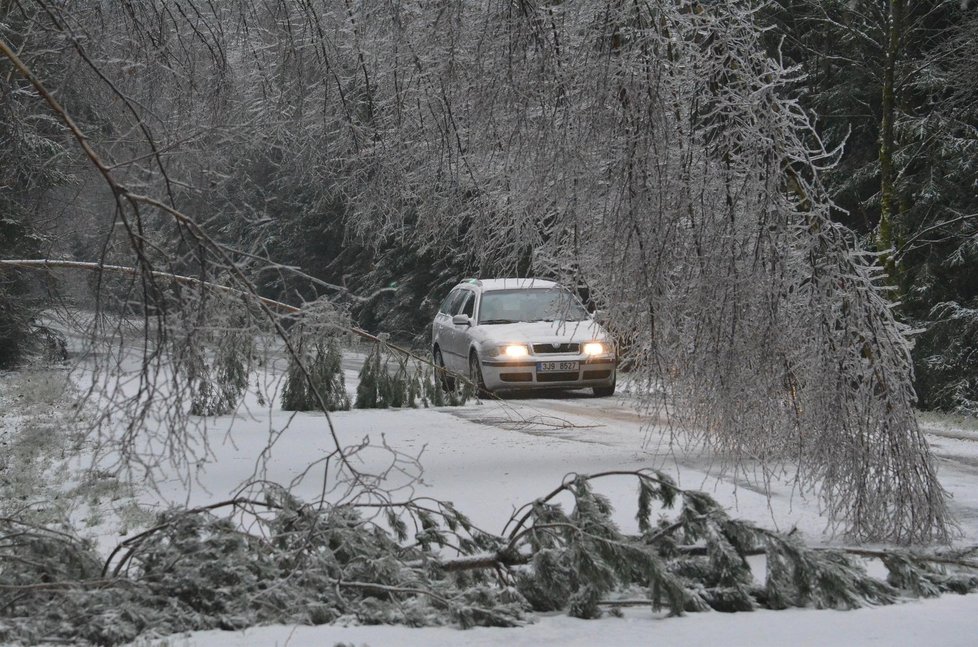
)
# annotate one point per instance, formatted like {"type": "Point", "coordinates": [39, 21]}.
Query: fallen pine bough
{"type": "Point", "coordinates": [274, 559]}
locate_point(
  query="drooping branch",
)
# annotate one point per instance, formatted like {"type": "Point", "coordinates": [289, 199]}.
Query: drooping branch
{"type": "Point", "coordinates": [641, 150]}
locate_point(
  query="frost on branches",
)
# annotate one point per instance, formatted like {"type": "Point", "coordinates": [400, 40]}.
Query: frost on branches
{"type": "Point", "coordinates": [651, 153]}
{"type": "Point", "coordinates": [646, 150]}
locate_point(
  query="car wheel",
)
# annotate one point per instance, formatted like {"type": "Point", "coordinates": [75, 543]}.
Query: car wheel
{"type": "Point", "coordinates": [447, 381]}
{"type": "Point", "coordinates": [475, 374]}
{"type": "Point", "coordinates": [603, 391]}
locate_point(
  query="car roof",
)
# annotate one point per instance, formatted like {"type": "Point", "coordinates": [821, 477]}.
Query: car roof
{"type": "Point", "coordinates": [487, 285]}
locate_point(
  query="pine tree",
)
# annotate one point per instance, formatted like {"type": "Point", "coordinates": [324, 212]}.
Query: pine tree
{"type": "Point", "coordinates": [33, 161]}
{"type": "Point", "coordinates": [369, 386]}
{"type": "Point", "coordinates": [388, 381]}
{"type": "Point", "coordinates": [422, 562]}
{"type": "Point", "coordinates": [319, 376]}
{"type": "Point", "coordinates": [894, 82]}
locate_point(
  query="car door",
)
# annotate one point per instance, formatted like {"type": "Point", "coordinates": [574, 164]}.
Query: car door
{"type": "Point", "coordinates": [442, 329]}
{"type": "Point", "coordinates": [456, 335]}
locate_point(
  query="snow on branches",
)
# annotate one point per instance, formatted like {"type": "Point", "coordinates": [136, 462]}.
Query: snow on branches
{"type": "Point", "coordinates": [653, 154]}
{"type": "Point", "coordinates": [650, 151]}
{"type": "Point", "coordinates": [425, 563]}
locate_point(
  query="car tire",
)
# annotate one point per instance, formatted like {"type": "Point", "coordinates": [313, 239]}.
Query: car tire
{"type": "Point", "coordinates": [604, 391]}
{"type": "Point", "coordinates": [475, 374]}
{"type": "Point", "coordinates": [446, 381]}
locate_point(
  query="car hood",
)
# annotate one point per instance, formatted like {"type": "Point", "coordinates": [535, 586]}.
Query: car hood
{"type": "Point", "coordinates": [543, 331]}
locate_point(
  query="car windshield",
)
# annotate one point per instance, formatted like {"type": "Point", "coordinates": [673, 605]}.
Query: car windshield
{"type": "Point", "coordinates": [541, 304]}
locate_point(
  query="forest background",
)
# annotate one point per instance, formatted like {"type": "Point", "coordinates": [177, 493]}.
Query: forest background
{"type": "Point", "coordinates": [261, 138]}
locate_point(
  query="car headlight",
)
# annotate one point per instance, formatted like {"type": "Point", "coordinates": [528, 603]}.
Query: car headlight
{"type": "Point", "coordinates": [514, 351]}
{"type": "Point", "coordinates": [596, 348]}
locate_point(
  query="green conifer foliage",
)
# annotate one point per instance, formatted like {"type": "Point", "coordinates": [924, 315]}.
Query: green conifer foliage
{"type": "Point", "coordinates": [313, 563]}
{"type": "Point", "coordinates": [216, 362]}
{"type": "Point", "coordinates": [231, 367]}
{"type": "Point", "coordinates": [294, 390]}
{"type": "Point", "coordinates": [367, 389]}
{"type": "Point", "coordinates": [894, 82]}
{"type": "Point", "coordinates": [389, 381]}
{"type": "Point", "coordinates": [319, 376]}
{"type": "Point", "coordinates": [946, 361]}
{"type": "Point", "coordinates": [21, 336]}
{"type": "Point", "coordinates": [327, 371]}
{"type": "Point", "coordinates": [694, 558]}
{"type": "Point", "coordinates": [383, 385]}
{"type": "Point", "coordinates": [199, 379]}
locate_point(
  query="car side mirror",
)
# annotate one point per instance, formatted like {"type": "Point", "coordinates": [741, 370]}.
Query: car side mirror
{"type": "Point", "coordinates": [462, 320]}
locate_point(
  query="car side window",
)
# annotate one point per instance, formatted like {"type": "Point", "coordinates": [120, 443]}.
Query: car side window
{"type": "Point", "coordinates": [468, 305]}
{"type": "Point", "coordinates": [459, 301]}
{"type": "Point", "coordinates": [446, 304]}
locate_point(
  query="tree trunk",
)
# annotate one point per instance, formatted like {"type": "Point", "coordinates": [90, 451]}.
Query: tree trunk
{"type": "Point", "coordinates": [888, 199]}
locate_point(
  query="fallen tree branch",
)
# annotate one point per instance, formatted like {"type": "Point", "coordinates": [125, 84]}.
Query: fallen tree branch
{"type": "Point", "coordinates": [503, 558]}
{"type": "Point", "coordinates": [132, 543]}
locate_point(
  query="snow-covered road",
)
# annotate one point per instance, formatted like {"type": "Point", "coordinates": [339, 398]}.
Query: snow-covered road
{"type": "Point", "coordinates": [616, 422]}
{"type": "Point", "coordinates": [491, 457]}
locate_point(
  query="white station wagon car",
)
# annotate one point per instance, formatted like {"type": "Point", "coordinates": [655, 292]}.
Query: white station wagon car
{"type": "Point", "coordinates": [516, 334]}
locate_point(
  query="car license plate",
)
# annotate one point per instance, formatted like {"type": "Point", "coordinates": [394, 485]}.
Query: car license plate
{"type": "Point", "coordinates": [557, 367]}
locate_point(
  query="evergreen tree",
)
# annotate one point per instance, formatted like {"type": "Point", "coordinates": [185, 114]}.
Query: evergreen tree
{"type": "Point", "coordinates": [388, 381]}
{"type": "Point", "coordinates": [19, 334]}
{"type": "Point", "coordinates": [369, 385]}
{"type": "Point", "coordinates": [894, 82]}
{"type": "Point", "coordinates": [320, 375]}
{"type": "Point", "coordinates": [33, 161]}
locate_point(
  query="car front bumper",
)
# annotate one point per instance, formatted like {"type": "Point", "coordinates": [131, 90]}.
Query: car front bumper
{"type": "Point", "coordinates": [504, 375]}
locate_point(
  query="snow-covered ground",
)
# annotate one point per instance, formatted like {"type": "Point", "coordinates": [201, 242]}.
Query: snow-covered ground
{"type": "Point", "coordinates": [490, 458]}
{"type": "Point", "coordinates": [945, 622]}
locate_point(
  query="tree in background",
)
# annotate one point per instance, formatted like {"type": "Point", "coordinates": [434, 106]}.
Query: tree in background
{"type": "Point", "coordinates": [33, 161]}
{"type": "Point", "coordinates": [939, 249]}
{"type": "Point", "coordinates": [656, 152]}
{"type": "Point", "coordinates": [889, 80]}
{"type": "Point", "coordinates": [321, 357]}
{"type": "Point", "coordinates": [18, 304]}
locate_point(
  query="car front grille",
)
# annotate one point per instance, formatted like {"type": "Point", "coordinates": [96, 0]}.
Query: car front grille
{"type": "Point", "coordinates": [597, 375]}
{"type": "Point", "coordinates": [545, 349]}
{"type": "Point", "coordinates": [569, 376]}
{"type": "Point", "coordinates": [516, 377]}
